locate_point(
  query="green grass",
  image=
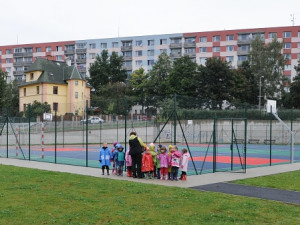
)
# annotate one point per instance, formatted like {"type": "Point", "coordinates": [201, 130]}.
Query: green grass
{"type": "Point", "coordinates": [286, 181]}
{"type": "Point", "coordinates": [30, 196]}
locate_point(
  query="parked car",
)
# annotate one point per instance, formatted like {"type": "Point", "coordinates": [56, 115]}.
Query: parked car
{"type": "Point", "coordinates": [93, 120]}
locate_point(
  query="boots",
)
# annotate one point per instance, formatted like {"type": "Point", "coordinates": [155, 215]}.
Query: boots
{"type": "Point", "coordinates": [180, 178]}
{"type": "Point", "coordinates": [183, 178]}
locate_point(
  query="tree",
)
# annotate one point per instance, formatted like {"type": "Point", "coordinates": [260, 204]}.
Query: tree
{"type": "Point", "coordinates": [293, 98]}
{"type": "Point", "coordinates": [267, 61]}
{"type": "Point", "coordinates": [3, 87]}
{"type": "Point", "coordinates": [12, 97]}
{"type": "Point", "coordinates": [37, 109]}
{"type": "Point", "coordinates": [214, 80]}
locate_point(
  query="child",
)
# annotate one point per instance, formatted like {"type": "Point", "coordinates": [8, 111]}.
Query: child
{"type": "Point", "coordinates": [128, 163]}
{"type": "Point", "coordinates": [157, 165]}
{"type": "Point", "coordinates": [120, 160]}
{"type": "Point", "coordinates": [147, 164]}
{"type": "Point", "coordinates": [164, 162]}
{"type": "Point", "coordinates": [153, 153]}
{"type": "Point", "coordinates": [104, 158]}
{"type": "Point", "coordinates": [169, 167]}
{"type": "Point", "coordinates": [175, 159]}
{"type": "Point", "coordinates": [184, 160]}
{"type": "Point", "coordinates": [114, 170]}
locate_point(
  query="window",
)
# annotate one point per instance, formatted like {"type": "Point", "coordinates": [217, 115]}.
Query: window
{"type": "Point", "coordinates": [17, 50]}
{"type": "Point", "coordinates": [76, 82]}
{"type": "Point", "coordinates": [139, 53]}
{"type": "Point", "coordinates": [127, 54]}
{"type": "Point", "coordinates": [81, 56]}
{"type": "Point", "coordinates": [92, 46]}
{"type": "Point", "coordinates": [19, 68]}
{"type": "Point", "coordinates": [115, 45]}
{"type": "Point", "coordinates": [24, 91]}
{"type": "Point", "coordinates": [298, 44]}
{"type": "Point", "coordinates": [55, 106]}
{"type": "Point", "coordinates": [70, 47]}
{"type": "Point", "coordinates": [229, 48]}
{"type": "Point", "coordinates": [80, 45]}
{"type": "Point", "coordinates": [37, 90]}
{"type": "Point", "coordinates": [203, 60]}
{"type": "Point", "coordinates": [216, 49]}
{"type": "Point", "coordinates": [242, 58]}
{"type": "Point", "coordinates": [162, 50]}
{"type": "Point", "coordinates": [229, 58]}
{"type": "Point", "coordinates": [103, 45]}
{"type": "Point", "coordinates": [163, 41]}
{"type": "Point", "coordinates": [287, 67]}
{"type": "Point", "coordinates": [55, 90]}
{"type": "Point", "coordinates": [18, 60]}
{"type": "Point", "coordinates": [31, 76]}
{"type": "Point", "coordinates": [272, 35]}
{"type": "Point", "coordinates": [0, 52]}
{"type": "Point", "coordinates": [48, 49]}
{"type": "Point", "coordinates": [216, 38]}
{"type": "Point", "coordinates": [139, 43]}
{"type": "Point", "coordinates": [38, 49]}
{"type": "Point", "coordinates": [150, 42]}
{"type": "Point", "coordinates": [59, 58]}
{"type": "Point", "coordinates": [244, 48]}
{"type": "Point", "coordinates": [203, 49]}
{"type": "Point", "coordinates": [28, 50]}
{"type": "Point", "coordinates": [190, 50]}
{"type": "Point", "coordinates": [203, 39]}
{"type": "Point", "coordinates": [150, 52]}
{"type": "Point", "coordinates": [139, 63]}
{"type": "Point", "coordinates": [287, 45]}
{"type": "Point", "coordinates": [150, 62]}
{"type": "Point", "coordinates": [8, 69]}
{"type": "Point", "coordinates": [298, 58]}
{"type": "Point", "coordinates": [190, 40]}
{"type": "Point", "coordinates": [287, 34]}
{"type": "Point", "coordinates": [243, 37]}
{"type": "Point", "coordinates": [58, 48]}
{"type": "Point", "coordinates": [8, 51]}
{"type": "Point", "coordinates": [92, 55]}
{"type": "Point", "coordinates": [230, 37]}
{"type": "Point", "coordinates": [76, 94]}
{"type": "Point", "coordinates": [8, 60]}
{"type": "Point", "coordinates": [127, 43]}
{"type": "Point", "coordinates": [287, 56]}
{"type": "Point", "coordinates": [298, 33]}
{"type": "Point", "coordinates": [128, 63]}
{"type": "Point", "coordinates": [176, 40]}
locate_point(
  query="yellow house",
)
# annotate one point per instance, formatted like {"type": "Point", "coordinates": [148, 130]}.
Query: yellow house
{"type": "Point", "coordinates": [56, 83]}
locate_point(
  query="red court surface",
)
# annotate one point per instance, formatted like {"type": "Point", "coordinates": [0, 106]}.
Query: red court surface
{"type": "Point", "coordinates": [237, 160]}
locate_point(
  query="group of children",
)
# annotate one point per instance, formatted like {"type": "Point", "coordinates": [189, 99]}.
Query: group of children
{"type": "Point", "coordinates": [160, 164]}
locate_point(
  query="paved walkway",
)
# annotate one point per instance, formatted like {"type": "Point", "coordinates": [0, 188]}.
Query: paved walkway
{"type": "Point", "coordinates": [251, 191]}
{"type": "Point", "coordinates": [192, 181]}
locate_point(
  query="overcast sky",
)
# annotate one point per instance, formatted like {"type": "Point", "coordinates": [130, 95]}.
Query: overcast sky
{"type": "Point", "coordinates": [35, 21]}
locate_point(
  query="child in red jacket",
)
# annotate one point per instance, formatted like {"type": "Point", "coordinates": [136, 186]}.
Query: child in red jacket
{"type": "Point", "coordinates": [148, 164]}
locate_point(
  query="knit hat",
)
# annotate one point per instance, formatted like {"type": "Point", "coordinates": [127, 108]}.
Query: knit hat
{"type": "Point", "coordinates": [159, 145]}
{"type": "Point", "coordinates": [115, 143]}
{"type": "Point", "coordinates": [120, 146]}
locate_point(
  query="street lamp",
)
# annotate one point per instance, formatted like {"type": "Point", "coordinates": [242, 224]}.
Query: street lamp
{"type": "Point", "coordinates": [259, 97]}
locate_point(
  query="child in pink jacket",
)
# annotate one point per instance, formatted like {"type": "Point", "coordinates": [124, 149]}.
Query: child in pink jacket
{"type": "Point", "coordinates": [128, 163]}
{"type": "Point", "coordinates": [163, 158]}
{"type": "Point", "coordinates": [184, 160]}
{"type": "Point", "coordinates": [175, 160]}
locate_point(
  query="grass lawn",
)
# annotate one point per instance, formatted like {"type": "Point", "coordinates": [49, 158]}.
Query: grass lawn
{"type": "Point", "coordinates": [287, 181]}
{"type": "Point", "coordinates": [29, 196]}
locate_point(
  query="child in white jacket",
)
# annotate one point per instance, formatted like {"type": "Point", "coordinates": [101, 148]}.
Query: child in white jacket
{"type": "Point", "coordinates": [184, 160]}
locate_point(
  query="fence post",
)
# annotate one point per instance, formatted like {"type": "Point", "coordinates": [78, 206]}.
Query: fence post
{"type": "Point", "coordinates": [215, 146]}
{"type": "Point", "coordinates": [55, 134]}
{"type": "Point", "coordinates": [270, 137]}
{"type": "Point", "coordinates": [87, 134]}
{"type": "Point", "coordinates": [7, 133]}
{"type": "Point", "coordinates": [29, 112]}
{"type": "Point", "coordinates": [175, 117]}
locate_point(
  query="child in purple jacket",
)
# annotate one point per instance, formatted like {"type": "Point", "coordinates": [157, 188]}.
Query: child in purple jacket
{"type": "Point", "coordinates": [164, 162]}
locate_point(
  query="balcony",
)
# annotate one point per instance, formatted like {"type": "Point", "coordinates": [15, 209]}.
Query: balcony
{"type": "Point", "coordinates": [244, 41]}
{"type": "Point", "coordinates": [80, 61]}
{"type": "Point", "coordinates": [242, 52]}
{"type": "Point", "coordinates": [190, 54]}
{"type": "Point", "coordinates": [175, 45]}
{"type": "Point", "coordinates": [127, 58]}
{"type": "Point", "coordinates": [22, 63]}
{"type": "Point", "coordinates": [189, 44]}
{"type": "Point", "coordinates": [69, 52]}
{"type": "Point", "coordinates": [127, 67]}
{"type": "Point", "coordinates": [19, 54]}
{"type": "Point", "coordinates": [175, 55]}
{"type": "Point", "coordinates": [80, 50]}
{"type": "Point", "coordinates": [18, 73]}
{"type": "Point", "coordinates": [126, 48]}
{"type": "Point", "coordinates": [82, 70]}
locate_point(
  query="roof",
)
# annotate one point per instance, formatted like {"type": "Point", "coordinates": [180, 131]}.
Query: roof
{"type": "Point", "coordinates": [53, 72]}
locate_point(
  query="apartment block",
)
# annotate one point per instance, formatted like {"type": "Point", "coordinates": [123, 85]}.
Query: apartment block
{"type": "Point", "coordinates": [143, 51]}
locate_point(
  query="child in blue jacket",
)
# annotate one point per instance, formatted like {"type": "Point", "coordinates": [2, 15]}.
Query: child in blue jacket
{"type": "Point", "coordinates": [120, 160]}
{"type": "Point", "coordinates": [104, 158]}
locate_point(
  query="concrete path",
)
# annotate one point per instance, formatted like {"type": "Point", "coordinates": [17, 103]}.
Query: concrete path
{"type": "Point", "coordinates": [251, 191]}
{"type": "Point", "coordinates": [192, 181]}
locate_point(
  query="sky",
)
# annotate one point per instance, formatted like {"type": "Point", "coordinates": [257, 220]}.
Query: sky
{"type": "Point", "coordinates": [36, 21]}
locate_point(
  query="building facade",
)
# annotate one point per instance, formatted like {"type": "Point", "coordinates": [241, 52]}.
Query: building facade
{"type": "Point", "coordinates": [143, 51]}
{"type": "Point", "coordinates": [56, 83]}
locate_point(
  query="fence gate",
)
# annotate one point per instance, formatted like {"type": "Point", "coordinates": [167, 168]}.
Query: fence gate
{"type": "Point", "coordinates": [229, 145]}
